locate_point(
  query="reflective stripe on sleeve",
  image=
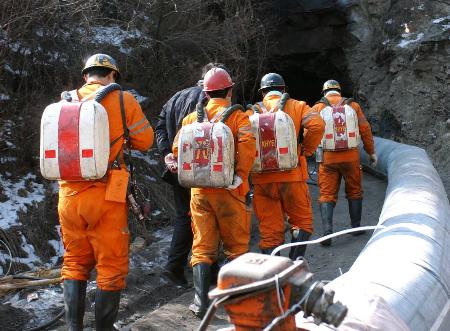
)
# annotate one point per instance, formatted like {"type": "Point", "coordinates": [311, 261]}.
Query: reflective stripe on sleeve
{"type": "Point", "coordinates": [131, 127]}
{"type": "Point", "coordinates": [140, 130]}
{"type": "Point", "coordinates": [309, 117]}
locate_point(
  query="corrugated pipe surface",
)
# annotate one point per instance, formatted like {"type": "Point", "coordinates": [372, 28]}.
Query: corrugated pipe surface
{"type": "Point", "coordinates": [401, 279]}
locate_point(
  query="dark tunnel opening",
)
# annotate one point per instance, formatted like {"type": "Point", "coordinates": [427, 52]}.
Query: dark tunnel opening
{"type": "Point", "coordinates": [305, 78]}
{"type": "Point", "coordinates": [309, 48]}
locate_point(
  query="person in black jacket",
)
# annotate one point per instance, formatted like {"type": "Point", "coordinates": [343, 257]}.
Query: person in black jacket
{"type": "Point", "coordinates": [178, 107]}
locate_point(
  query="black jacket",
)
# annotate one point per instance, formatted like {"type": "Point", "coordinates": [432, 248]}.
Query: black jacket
{"type": "Point", "coordinates": [170, 119]}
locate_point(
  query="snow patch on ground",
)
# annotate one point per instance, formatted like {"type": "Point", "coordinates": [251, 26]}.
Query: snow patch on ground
{"type": "Point", "coordinates": [116, 36]}
{"type": "Point", "coordinates": [150, 178]}
{"type": "Point", "coordinates": [441, 19]}
{"type": "Point", "coordinates": [163, 235]}
{"type": "Point", "coordinates": [58, 246]}
{"type": "Point", "coordinates": [4, 97]}
{"type": "Point", "coordinates": [6, 133]}
{"type": "Point", "coordinates": [20, 195]}
{"type": "Point", "coordinates": [158, 250]}
{"type": "Point", "coordinates": [32, 260]}
{"type": "Point", "coordinates": [8, 68]}
{"type": "Point", "coordinates": [146, 158]}
{"type": "Point", "coordinates": [138, 97]}
{"type": "Point", "coordinates": [405, 42]}
{"type": "Point", "coordinates": [48, 300]}
{"type": "Point", "coordinates": [156, 212]}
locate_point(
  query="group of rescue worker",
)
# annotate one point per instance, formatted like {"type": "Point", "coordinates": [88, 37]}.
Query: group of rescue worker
{"type": "Point", "coordinates": [95, 231]}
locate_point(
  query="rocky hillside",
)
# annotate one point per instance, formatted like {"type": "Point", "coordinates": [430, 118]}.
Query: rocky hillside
{"type": "Point", "coordinates": [393, 56]}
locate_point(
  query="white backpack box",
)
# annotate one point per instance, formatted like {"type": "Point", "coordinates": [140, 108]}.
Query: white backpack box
{"type": "Point", "coordinates": [74, 142]}
{"type": "Point", "coordinates": [276, 139]}
{"type": "Point", "coordinates": [341, 127]}
{"type": "Point", "coordinates": [206, 152]}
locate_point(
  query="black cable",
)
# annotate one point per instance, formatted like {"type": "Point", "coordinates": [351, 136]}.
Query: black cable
{"type": "Point", "coordinates": [49, 323]}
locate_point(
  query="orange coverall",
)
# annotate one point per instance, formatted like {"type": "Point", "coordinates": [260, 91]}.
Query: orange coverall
{"type": "Point", "coordinates": [218, 213]}
{"type": "Point", "coordinates": [95, 231]}
{"type": "Point", "coordinates": [338, 164]}
{"type": "Point", "coordinates": [277, 193]}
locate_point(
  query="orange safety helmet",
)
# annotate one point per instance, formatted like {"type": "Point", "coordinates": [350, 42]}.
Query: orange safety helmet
{"type": "Point", "coordinates": [217, 79]}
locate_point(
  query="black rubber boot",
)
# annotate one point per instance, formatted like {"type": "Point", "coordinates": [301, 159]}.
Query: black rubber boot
{"type": "Point", "coordinates": [297, 236]}
{"type": "Point", "coordinates": [175, 276]}
{"type": "Point", "coordinates": [74, 303]}
{"type": "Point", "coordinates": [202, 280]}
{"type": "Point", "coordinates": [106, 308]}
{"type": "Point", "coordinates": [355, 210]}
{"type": "Point", "coordinates": [215, 268]}
{"type": "Point", "coordinates": [181, 243]}
{"type": "Point", "coordinates": [326, 212]}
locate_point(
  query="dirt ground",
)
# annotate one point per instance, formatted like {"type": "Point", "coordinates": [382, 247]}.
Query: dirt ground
{"type": "Point", "coordinates": [150, 302]}
{"type": "Point", "coordinates": [326, 263]}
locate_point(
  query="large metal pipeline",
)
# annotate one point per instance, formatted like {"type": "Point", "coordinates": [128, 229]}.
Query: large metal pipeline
{"type": "Point", "coordinates": [401, 279]}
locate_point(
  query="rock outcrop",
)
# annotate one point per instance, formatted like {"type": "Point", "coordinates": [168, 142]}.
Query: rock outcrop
{"type": "Point", "coordinates": [393, 56]}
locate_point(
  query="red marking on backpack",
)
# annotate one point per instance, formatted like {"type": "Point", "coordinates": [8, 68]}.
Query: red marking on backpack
{"type": "Point", "coordinates": [68, 141]}
{"type": "Point", "coordinates": [87, 153]}
{"type": "Point", "coordinates": [267, 142]}
{"type": "Point", "coordinates": [50, 154]}
{"type": "Point", "coordinates": [283, 150]}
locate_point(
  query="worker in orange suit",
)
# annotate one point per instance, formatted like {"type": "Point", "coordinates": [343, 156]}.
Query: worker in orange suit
{"type": "Point", "coordinates": [342, 163]}
{"type": "Point", "coordinates": [286, 192]}
{"type": "Point", "coordinates": [94, 230]}
{"type": "Point", "coordinates": [219, 213]}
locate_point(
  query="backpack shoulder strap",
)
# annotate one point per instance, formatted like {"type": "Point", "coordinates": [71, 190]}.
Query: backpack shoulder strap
{"type": "Point", "coordinates": [325, 101]}
{"type": "Point", "coordinates": [348, 101]}
{"type": "Point", "coordinates": [126, 131]}
{"type": "Point", "coordinates": [284, 98]}
{"type": "Point", "coordinates": [262, 107]}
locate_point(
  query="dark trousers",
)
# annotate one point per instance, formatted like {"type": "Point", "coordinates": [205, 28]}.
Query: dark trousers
{"type": "Point", "coordinates": [182, 233]}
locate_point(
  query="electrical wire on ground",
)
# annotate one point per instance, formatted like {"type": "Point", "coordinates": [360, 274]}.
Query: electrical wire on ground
{"type": "Point", "coordinates": [49, 323]}
{"type": "Point", "coordinates": [10, 258]}
{"type": "Point", "coordinates": [333, 235]}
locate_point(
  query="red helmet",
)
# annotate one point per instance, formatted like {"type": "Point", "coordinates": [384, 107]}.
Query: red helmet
{"type": "Point", "coordinates": [216, 79]}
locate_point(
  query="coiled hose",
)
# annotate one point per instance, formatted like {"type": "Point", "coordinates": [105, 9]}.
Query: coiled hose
{"type": "Point", "coordinates": [230, 111]}
{"type": "Point", "coordinates": [283, 100]}
{"type": "Point", "coordinates": [200, 109]}
{"type": "Point", "coordinates": [104, 91]}
{"type": "Point", "coordinates": [255, 109]}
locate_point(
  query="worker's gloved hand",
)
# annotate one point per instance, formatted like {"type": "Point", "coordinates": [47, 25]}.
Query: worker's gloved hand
{"type": "Point", "coordinates": [373, 160]}
{"type": "Point", "coordinates": [171, 162]}
{"type": "Point", "coordinates": [236, 182]}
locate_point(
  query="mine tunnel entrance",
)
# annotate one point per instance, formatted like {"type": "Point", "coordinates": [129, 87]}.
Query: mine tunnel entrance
{"type": "Point", "coordinates": [305, 77]}
{"type": "Point", "coordinates": [309, 48]}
